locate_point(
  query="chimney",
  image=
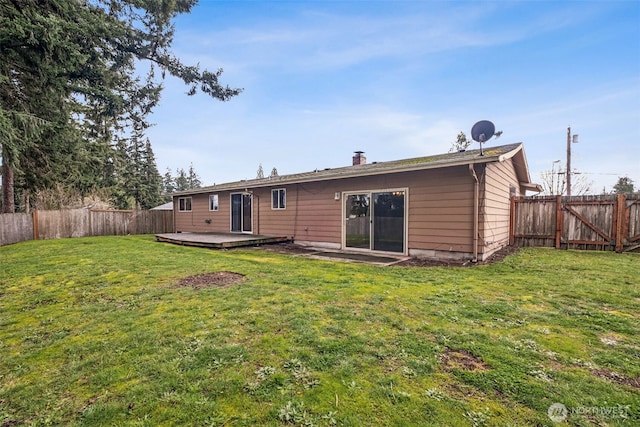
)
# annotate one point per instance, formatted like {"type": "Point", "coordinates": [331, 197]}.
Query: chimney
{"type": "Point", "coordinates": [359, 158]}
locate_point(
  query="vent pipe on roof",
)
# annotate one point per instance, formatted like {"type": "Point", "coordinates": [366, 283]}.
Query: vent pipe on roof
{"type": "Point", "coordinates": [359, 158]}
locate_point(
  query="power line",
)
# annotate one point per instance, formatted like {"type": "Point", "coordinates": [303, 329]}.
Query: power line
{"type": "Point", "coordinates": [598, 173]}
{"type": "Point", "coordinates": [591, 173]}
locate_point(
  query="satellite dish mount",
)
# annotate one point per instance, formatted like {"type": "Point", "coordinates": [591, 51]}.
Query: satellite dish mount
{"type": "Point", "coordinates": [483, 131]}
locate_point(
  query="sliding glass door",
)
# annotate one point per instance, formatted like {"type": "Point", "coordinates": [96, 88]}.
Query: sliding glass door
{"type": "Point", "coordinates": [241, 219]}
{"type": "Point", "coordinates": [375, 221]}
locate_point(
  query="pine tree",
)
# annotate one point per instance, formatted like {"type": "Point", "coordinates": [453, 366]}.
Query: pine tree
{"type": "Point", "coordinates": [73, 80]}
{"type": "Point", "coordinates": [120, 196]}
{"type": "Point", "coordinates": [624, 185]}
{"type": "Point", "coordinates": [134, 164]}
{"type": "Point", "coordinates": [181, 180]}
{"type": "Point", "coordinates": [152, 181]}
{"type": "Point", "coordinates": [194, 178]}
{"type": "Point", "coordinates": [168, 183]}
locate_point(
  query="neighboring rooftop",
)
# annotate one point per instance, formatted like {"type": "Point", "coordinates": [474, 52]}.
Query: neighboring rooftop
{"type": "Point", "coordinates": [164, 207]}
{"type": "Point", "coordinates": [490, 154]}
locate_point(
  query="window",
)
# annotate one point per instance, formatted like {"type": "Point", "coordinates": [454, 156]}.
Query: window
{"type": "Point", "coordinates": [278, 198]}
{"type": "Point", "coordinates": [184, 204]}
{"type": "Point", "coordinates": [213, 202]}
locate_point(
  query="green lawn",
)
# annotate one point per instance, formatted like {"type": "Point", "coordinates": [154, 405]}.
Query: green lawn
{"type": "Point", "coordinates": [94, 331]}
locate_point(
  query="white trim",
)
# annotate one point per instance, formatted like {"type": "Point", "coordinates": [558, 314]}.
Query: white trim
{"type": "Point", "coordinates": [185, 204]}
{"type": "Point", "coordinates": [284, 190]}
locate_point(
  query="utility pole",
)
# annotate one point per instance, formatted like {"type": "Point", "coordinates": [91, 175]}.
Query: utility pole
{"type": "Point", "coordinates": [570, 139]}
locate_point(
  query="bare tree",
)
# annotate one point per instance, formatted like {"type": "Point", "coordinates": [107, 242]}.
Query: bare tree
{"type": "Point", "coordinates": [461, 143]}
{"type": "Point", "coordinates": [554, 181]}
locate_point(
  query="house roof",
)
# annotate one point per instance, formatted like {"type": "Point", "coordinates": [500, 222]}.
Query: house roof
{"type": "Point", "coordinates": [164, 207]}
{"type": "Point", "coordinates": [490, 154]}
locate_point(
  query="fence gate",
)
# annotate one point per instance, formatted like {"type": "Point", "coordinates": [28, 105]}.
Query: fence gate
{"type": "Point", "coordinates": [609, 222]}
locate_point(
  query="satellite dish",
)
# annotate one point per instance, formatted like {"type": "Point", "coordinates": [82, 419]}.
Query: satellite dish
{"type": "Point", "coordinates": [483, 131]}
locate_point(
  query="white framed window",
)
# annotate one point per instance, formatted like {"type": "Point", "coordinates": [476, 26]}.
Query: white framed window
{"type": "Point", "coordinates": [213, 202]}
{"type": "Point", "coordinates": [184, 204]}
{"type": "Point", "coordinates": [278, 198]}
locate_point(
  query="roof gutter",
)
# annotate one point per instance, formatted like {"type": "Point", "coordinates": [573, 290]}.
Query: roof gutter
{"type": "Point", "coordinates": [532, 187]}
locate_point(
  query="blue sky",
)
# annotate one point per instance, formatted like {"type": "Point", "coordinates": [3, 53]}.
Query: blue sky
{"type": "Point", "coordinates": [401, 79]}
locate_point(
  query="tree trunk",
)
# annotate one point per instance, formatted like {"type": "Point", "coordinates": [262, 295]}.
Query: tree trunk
{"type": "Point", "coordinates": [8, 201]}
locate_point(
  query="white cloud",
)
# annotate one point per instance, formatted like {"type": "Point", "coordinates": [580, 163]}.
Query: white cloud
{"type": "Point", "coordinates": [320, 41]}
{"type": "Point", "coordinates": [317, 88]}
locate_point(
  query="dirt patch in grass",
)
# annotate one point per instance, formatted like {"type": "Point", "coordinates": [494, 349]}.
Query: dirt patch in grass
{"type": "Point", "coordinates": [462, 360]}
{"type": "Point", "coordinates": [609, 375]}
{"type": "Point", "coordinates": [218, 279]}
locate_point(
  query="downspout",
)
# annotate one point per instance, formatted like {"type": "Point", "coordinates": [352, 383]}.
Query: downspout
{"type": "Point", "coordinates": [476, 216]}
{"type": "Point", "coordinates": [173, 219]}
{"type": "Point", "coordinates": [295, 217]}
{"type": "Point", "coordinates": [257, 213]}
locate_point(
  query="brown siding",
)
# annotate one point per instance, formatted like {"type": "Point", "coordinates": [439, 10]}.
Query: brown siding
{"type": "Point", "coordinates": [440, 209]}
{"type": "Point", "coordinates": [494, 206]}
{"type": "Point", "coordinates": [195, 220]}
{"type": "Point", "coordinates": [278, 222]}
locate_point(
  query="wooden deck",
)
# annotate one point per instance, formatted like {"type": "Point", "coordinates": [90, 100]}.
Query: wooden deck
{"type": "Point", "coordinates": [219, 240]}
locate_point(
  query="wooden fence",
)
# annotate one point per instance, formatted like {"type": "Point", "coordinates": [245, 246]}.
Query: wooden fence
{"type": "Point", "coordinates": [609, 222]}
{"type": "Point", "coordinates": [60, 224]}
{"type": "Point", "coordinates": [15, 228]}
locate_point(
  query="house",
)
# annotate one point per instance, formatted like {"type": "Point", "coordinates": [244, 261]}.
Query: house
{"type": "Point", "coordinates": [453, 206]}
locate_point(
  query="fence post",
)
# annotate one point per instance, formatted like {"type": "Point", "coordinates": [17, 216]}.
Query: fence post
{"type": "Point", "coordinates": [512, 220]}
{"type": "Point", "coordinates": [620, 219]}
{"type": "Point", "coordinates": [559, 221]}
{"type": "Point", "coordinates": [34, 218]}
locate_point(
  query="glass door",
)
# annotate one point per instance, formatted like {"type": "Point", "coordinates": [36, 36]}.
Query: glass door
{"type": "Point", "coordinates": [358, 221]}
{"type": "Point", "coordinates": [378, 227]}
{"type": "Point", "coordinates": [388, 221]}
{"type": "Point", "coordinates": [241, 219]}
{"type": "Point", "coordinates": [247, 223]}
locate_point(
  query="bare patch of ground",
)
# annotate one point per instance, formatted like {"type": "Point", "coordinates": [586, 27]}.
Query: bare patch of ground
{"type": "Point", "coordinates": [462, 360]}
{"type": "Point", "coordinates": [218, 279]}
{"type": "Point", "coordinates": [288, 248]}
{"type": "Point", "coordinates": [293, 249]}
{"type": "Point", "coordinates": [609, 375]}
{"type": "Point", "coordinates": [495, 257]}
